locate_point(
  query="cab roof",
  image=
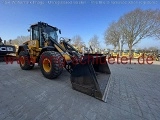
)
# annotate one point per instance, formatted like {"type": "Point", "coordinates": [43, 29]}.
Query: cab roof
{"type": "Point", "coordinates": [43, 24]}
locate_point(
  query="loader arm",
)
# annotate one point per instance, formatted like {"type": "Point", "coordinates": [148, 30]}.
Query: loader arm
{"type": "Point", "coordinates": [68, 54]}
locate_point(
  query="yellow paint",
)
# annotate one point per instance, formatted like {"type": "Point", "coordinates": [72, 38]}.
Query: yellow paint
{"type": "Point", "coordinates": [66, 57]}
{"type": "Point", "coordinates": [125, 54]}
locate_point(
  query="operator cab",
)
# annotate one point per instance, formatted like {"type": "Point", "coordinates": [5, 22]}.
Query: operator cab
{"type": "Point", "coordinates": [42, 31]}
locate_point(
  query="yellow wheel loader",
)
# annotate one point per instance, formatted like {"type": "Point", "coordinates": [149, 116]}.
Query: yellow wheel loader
{"type": "Point", "coordinates": [152, 54]}
{"type": "Point", "coordinates": [90, 73]}
{"type": "Point", "coordinates": [138, 53]}
{"type": "Point", "coordinates": [125, 53]}
{"type": "Point", "coordinates": [114, 53]}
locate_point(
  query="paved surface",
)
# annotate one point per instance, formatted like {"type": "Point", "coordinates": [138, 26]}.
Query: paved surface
{"type": "Point", "coordinates": [26, 95]}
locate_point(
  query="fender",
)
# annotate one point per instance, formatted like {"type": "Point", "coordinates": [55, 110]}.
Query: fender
{"type": "Point", "coordinates": [23, 48]}
{"type": "Point", "coordinates": [48, 48]}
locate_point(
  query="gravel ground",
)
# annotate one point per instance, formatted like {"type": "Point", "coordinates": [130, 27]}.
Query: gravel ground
{"type": "Point", "coordinates": [26, 95]}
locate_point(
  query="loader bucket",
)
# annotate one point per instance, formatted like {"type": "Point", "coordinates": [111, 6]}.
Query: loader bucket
{"type": "Point", "coordinates": [92, 76]}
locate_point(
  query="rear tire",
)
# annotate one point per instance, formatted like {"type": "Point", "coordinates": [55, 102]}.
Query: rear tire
{"type": "Point", "coordinates": [51, 64]}
{"type": "Point", "coordinates": [24, 61]}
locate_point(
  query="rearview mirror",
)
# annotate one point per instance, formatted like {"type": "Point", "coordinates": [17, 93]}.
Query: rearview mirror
{"type": "Point", "coordinates": [59, 31]}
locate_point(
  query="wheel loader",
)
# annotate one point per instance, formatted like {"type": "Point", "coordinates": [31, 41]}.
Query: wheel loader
{"type": "Point", "coordinates": [89, 73]}
{"type": "Point", "coordinates": [136, 54]}
{"type": "Point", "coordinates": [114, 53]}
{"type": "Point", "coordinates": [6, 50]}
{"type": "Point", "coordinates": [125, 53]}
{"type": "Point", "coordinates": [152, 54]}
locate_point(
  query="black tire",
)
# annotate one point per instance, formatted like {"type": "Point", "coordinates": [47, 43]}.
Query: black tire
{"type": "Point", "coordinates": [24, 61]}
{"type": "Point", "coordinates": [51, 64]}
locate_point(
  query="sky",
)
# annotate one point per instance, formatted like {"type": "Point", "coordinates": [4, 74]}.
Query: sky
{"type": "Point", "coordinates": [74, 17]}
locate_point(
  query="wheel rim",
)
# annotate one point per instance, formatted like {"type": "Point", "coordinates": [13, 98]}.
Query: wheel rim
{"type": "Point", "coordinates": [22, 60]}
{"type": "Point", "coordinates": [47, 65]}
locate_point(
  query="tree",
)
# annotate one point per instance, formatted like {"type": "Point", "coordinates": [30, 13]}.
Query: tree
{"type": "Point", "coordinates": [112, 35]}
{"type": "Point", "coordinates": [94, 43]}
{"type": "Point", "coordinates": [139, 24]}
{"type": "Point", "coordinates": [153, 48]}
{"type": "Point", "coordinates": [158, 31]}
{"type": "Point", "coordinates": [77, 42]}
{"type": "Point", "coordinates": [20, 40]}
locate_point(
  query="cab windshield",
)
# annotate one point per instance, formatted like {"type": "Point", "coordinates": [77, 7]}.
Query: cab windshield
{"type": "Point", "coordinates": [52, 32]}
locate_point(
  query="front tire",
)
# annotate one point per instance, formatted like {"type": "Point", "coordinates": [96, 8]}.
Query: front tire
{"type": "Point", "coordinates": [51, 64]}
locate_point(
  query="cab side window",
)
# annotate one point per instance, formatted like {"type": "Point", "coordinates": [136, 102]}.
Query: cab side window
{"type": "Point", "coordinates": [35, 33]}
